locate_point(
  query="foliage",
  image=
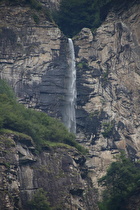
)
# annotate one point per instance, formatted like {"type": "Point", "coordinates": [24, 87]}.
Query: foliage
{"type": "Point", "coordinates": [82, 65]}
{"type": "Point", "coordinates": [104, 78]}
{"type": "Point", "coordinates": [73, 15]}
{"type": "Point", "coordinates": [34, 4]}
{"type": "Point", "coordinates": [36, 18]}
{"type": "Point", "coordinates": [48, 14]}
{"type": "Point", "coordinates": [39, 201]}
{"type": "Point", "coordinates": [107, 129]}
{"type": "Point", "coordinates": [4, 89]}
{"type": "Point", "coordinates": [38, 125]}
{"type": "Point", "coordinates": [76, 14]}
{"type": "Point", "coordinates": [121, 181]}
{"type": "Point", "coordinates": [21, 136]}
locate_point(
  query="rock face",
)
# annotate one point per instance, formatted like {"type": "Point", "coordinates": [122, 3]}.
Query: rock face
{"type": "Point", "coordinates": [108, 85]}
{"type": "Point", "coordinates": [60, 171]}
{"type": "Point", "coordinates": [51, 4]}
{"type": "Point", "coordinates": [33, 58]}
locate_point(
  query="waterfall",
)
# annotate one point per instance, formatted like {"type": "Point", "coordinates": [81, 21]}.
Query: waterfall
{"type": "Point", "coordinates": [70, 102]}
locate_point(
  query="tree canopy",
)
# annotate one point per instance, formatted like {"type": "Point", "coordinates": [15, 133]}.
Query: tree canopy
{"type": "Point", "coordinates": [121, 181]}
{"type": "Point", "coordinates": [74, 15]}
{"type": "Point", "coordinates": [39, 201]}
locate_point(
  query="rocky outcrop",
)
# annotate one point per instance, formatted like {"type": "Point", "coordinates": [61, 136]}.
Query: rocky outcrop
{"type": "Point", "coordinates": [60, 171]}
{"type": "Point", "coordinates": [108, 85]}
{"type": "Point", "coordinates": [51, 4]}
{"type": "Point", "coordinates": [33, 58]}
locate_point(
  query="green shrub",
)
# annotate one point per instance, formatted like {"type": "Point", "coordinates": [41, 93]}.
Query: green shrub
{"type": "Point", "coordinates": [48, 14]}
{"type": "Point", "coordinates": [35, 4]}
{"type": "Point", "coordinates": [1, 122]}
{"type": "Point", "coordinates": [39, 201]}
{"type": "Point", "coordinates": [107, 129]}
{"type": "Point", "coordinates": [104, 78]}
{"type": "Point", "coordinates": [38, 125]}
{"type": "Point", "coordinates": [36, 18]}
{"type": "Point", "coordinates": [74, 15]}
{"type": "Point", "coordinates": [83, 65]}
{"type": "Point", "coordinates": [121, 181]}
{"type": "Point", "coordinates": [4, 89]}
{"type": "Point", "coordinates": [77, 14]}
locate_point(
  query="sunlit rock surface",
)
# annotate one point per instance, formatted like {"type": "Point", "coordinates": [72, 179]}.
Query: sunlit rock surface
{"type": "Point", "coordinates": [108, 85]}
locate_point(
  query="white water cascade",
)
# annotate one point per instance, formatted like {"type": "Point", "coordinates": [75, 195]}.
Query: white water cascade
{"type": "Point", "coordinates": [69, 110]}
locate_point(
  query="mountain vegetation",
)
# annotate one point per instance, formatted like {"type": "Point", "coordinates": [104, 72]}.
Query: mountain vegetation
{"type": "Point", "coordinates": [74, 15]}
{"type": "Point", "coordinates": [121, 181]}
{"type": "Point", "coordinates": [39, 201]}
{"type": "Point", "coordinates": [43, 129]}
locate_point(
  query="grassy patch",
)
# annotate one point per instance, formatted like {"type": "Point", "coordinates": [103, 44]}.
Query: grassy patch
{"type": "Point", "coordinates": [28, 124]}
{"type": "Point", "coordinates": [20, 135]}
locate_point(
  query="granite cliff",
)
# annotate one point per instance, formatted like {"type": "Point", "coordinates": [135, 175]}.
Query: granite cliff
{"type": "Point", "coordinates": [59, 171]}
{"type": "Point", "coordinates": [34, 60]}
{"type": "Point", "coordinates": [108, 83]}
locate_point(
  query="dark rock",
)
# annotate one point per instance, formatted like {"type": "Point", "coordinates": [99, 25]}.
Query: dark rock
{"type": "Point", "coordinates": [77, 192]}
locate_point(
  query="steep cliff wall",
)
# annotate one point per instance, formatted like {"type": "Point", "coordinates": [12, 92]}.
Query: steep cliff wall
{"type": "Point", "coordinates": [108, 85]}
{"type": "Point", "coordinates": [59, 171]}
{"type": "Point", "coordinates": [33, 58]}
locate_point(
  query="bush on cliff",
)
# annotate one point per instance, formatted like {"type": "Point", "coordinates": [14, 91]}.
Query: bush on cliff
{"type": "Point", "coordinates": [77, 14]}
{"type": "Point", "coordinates": [39, 201]}
{"type": "Point", "coordinates": [74, 15]}
{"type": "Point", "coordinates": [38, 125]}
{"type": "Point", "coordinates": [121, 181]}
